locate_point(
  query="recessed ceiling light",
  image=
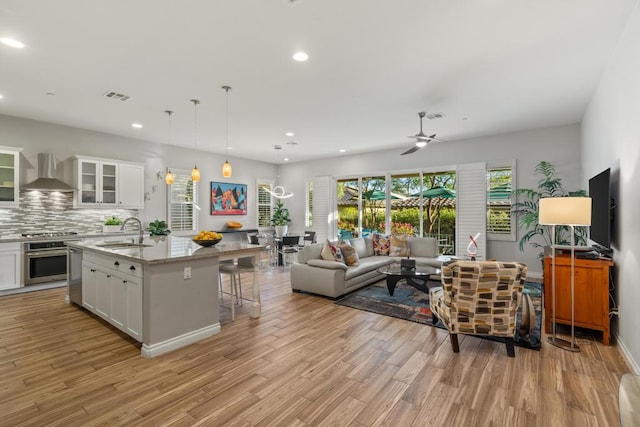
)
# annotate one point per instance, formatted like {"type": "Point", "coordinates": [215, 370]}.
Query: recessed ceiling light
{"type": "Point", "coordinates": [342, 150]}
{"type": "Point", "coordinates": [286, 159]}
{"type": "Point", "coordinates": [290, 134]}
{"type": "Point", "coordinates": [300, 56]}
{"type": "Point", "coordinates": [137, 125]}
{"type": "Point", "coordinates": [1, 96]}
{"type": "Point", "coordinates": [11, 42]}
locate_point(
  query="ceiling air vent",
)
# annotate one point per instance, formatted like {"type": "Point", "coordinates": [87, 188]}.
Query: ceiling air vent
{"type": "Point", "coordinates": [435, 116]}
{"type": "Point", "coordinates": [117, 96]}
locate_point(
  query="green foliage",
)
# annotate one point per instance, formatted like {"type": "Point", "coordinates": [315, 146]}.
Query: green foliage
{"type": "Point", "coordinates": [280, 214]}
{"type": "Point", "coordinates": [527, 209]}
{"type": "Point", "coordinates": [113, 221]}
{"type": "Point", "coordinates": [158, 228]}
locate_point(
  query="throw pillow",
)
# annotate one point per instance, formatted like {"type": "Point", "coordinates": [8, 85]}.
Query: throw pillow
{"type": "Point", "coordinates": [399, 245]}
{"type": "Point", "coordinates": [381, 244]}
{"type": "Point", "coordinates": [423, 246]}
{"type": "Point", "coordinates": [349, 253]}
{"type": "Point", "coordinates": [361, 247]}
{"type": "Point", "coordinates": [331, 252]}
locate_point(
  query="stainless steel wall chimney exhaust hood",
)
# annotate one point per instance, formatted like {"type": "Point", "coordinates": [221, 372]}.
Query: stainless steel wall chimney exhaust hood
{"type": "Point", "coordinates": [47, 180]}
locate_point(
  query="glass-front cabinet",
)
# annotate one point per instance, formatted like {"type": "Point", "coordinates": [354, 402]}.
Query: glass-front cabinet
{"type": "Point", "coordinates": [108, 183]}
{"type": "Point", "coordinates": [9, 176]}
{"type": "Point", "coordinates": [96, 181]}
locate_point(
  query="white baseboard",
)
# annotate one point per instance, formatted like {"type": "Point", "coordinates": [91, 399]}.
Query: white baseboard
{"type": "Point", "coordinates": [627, 356]}
{"type": "Point", "coordinates": [153, 350]}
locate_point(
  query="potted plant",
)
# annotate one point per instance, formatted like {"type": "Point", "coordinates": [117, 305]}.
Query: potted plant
{"type": "Point", "coordinates": [280, 219]}
{"type": "Point", "coordinates": [526, 209]}
{"type": "Point", "coordinates": [158, 228]}
{"type": "Point", "coordinates": [111, 225]}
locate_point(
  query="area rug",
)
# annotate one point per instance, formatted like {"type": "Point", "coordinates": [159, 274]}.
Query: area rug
{"type": "Point", "coordinates": [411, 304]}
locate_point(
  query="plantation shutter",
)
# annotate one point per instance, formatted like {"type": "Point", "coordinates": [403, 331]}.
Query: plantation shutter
{"type": "Point", "coordinates": [182, 208]}
{"type": "Point", "coordinates": [323, 209]}
{"type": "Point", "coordinates": [264, 204]}
{"type": "Point", "coordinates": [471, 205]}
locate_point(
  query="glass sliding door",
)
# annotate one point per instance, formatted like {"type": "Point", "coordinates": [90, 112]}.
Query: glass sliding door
{"type": "Point", "coordinates": [348, 197]}
{"type": "Point", "coordinates": [439, 209]}
{"type": "Point", "coordinates": [374, 198]}
{"type": "Point", "coordinates": [405, 204]}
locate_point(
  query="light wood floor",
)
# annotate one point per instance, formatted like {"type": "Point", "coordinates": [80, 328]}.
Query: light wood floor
{"type": "Point", "coordinates": [306, 361]}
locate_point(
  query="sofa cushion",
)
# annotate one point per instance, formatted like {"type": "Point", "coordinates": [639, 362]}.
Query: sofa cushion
{"type": "Point", "coordinates": [360, 245]}
{"type": "Point", "coordinates": [349, 253]}
{"type": "Point", "coordinates": [366, 265]}
{"type": "Point", "coordinates": [381, 244]}
{"type": "Point", "coordinates": [313, 251]}
{"type": "Point", "coordinates": [399, 245]}
{"type": "Point", "coordinates": [423, 247]}
{"type": "Point", "coordinates": [332, 265]}
{"type": "Point", "coordinates": [331, 252]}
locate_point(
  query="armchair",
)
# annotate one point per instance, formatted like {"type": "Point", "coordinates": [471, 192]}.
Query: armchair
{"type": "Point", "coordinates": [479, 297]}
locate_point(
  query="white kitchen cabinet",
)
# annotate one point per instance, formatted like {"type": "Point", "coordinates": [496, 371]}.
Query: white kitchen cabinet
{"type": "Point", "coordinates": [89, 281]}
{"type": "Point", "coordinates": [9, 176]}
{"type": "Point", "coordinates": [10, 262]}
{"type": "Point", "coordinates": [117, 286]}
{"type": "Point", "coordinates": [104, 183]}
{"type": "Point", "coordinates": [130, 186]}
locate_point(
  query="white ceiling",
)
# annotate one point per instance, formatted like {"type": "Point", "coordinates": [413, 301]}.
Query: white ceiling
{"type": "Point", "coordinates": [490, 66]}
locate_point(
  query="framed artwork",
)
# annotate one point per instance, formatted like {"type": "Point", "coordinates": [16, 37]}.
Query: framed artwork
{"type": "Point", "coordinates": [228, 199]}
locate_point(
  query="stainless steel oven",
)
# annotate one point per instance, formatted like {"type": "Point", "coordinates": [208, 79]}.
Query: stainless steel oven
{"type": "Point", "coordinates": [44, 262]}
{"type": "Point", "coordinates": [44, 256]}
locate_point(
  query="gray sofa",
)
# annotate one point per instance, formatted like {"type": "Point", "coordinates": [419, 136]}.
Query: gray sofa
{"type": "Point", "coordinates": [333, 279]}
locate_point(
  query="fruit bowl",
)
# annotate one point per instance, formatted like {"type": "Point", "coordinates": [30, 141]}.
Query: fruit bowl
{"type": "Point", "coordinates": [207, 243]}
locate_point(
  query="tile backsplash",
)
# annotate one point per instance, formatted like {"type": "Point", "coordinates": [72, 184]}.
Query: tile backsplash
{"type": "Point", "coordinates": [51, 212]}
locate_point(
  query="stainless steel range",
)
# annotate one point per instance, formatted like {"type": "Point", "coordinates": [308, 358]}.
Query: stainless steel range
{"type": "Point", "coordinates": [45, 257]}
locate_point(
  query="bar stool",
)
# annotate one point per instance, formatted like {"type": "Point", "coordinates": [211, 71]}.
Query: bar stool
{"type": "Point", "coordinates": [234, 270]}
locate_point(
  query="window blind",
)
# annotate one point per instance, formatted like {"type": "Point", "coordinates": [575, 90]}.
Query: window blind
{"type": "Point", "coordinates": [471, 203]}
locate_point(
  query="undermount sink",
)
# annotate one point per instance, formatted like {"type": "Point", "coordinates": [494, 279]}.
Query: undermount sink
{"type": "Point", "coordinates": [120, 245]}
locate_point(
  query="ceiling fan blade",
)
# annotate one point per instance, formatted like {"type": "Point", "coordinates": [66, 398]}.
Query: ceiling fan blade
{"type": "Point", "coordinates": [411, 150]}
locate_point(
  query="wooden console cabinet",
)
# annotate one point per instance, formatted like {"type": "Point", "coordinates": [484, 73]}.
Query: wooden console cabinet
{"type": "Point", "coordinates": [591, 293]}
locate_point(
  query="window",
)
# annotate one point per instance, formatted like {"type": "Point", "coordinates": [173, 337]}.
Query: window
{"type": "Point", "coordinates": [182, 208]}
{"type": "Point", "coordinates": [264, 204]}
{"type": "Point", "coordinates": [500, 219]}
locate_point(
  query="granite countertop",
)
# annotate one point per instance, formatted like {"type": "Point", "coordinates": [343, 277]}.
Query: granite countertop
{"type": "Point", "coordinates": [164, 249]}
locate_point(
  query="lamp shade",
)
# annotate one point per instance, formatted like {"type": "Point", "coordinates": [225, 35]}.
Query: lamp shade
{"type": "Point", "coordinates": [195, 174]}
{"type": "Point", "coordinates": [565, 211]}
{"type": "Point", "coordinates": [169, 177]}
{"type": "Point", "coordinates": [226, 170]}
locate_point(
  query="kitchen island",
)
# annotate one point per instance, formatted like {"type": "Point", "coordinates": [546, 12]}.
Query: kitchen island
{"type": "Point", "coordinates": [163, 293]}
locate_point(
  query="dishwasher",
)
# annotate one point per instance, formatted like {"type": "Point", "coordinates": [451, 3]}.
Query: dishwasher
{"type": "Point", "coordinates": [74, 275]}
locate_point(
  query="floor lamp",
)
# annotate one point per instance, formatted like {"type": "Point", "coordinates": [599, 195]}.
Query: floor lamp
{"type": "Point", "coordinates": [571, 212]}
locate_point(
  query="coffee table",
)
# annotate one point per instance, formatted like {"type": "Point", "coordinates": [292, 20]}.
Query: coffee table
{"type": "Point", "coordinates": [417, 278]}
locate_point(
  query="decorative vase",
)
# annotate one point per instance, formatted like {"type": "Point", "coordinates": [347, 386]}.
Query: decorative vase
{"type": "Point", "coordinates": [281, 230]}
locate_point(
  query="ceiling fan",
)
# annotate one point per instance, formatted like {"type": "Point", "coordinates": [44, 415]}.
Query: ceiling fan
{"type": "Point", "coordinates": [421, 138]}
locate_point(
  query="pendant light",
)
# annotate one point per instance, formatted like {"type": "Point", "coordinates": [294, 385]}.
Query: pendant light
{"type": "Point", "coordinates": [195, 172]}
{"type": "Point", "coordinates": [226, 168]}
{"type": "Point", "coordinates": [169, 177]}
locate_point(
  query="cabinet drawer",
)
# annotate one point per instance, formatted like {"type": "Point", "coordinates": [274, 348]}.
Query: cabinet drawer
{"type": "Point", "coordinates": [119, 265]}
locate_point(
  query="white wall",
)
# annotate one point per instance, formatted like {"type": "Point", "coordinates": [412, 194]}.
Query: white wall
{"type": "Point", "coordinates": [559, 145]}
{"type": "Point", "coordinates": [611, 138]}
{"type": "Point", "coordinates": [65, 142]}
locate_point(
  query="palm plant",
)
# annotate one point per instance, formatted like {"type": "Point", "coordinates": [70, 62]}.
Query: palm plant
{"type": "Point", "coordinates": [527, 208]}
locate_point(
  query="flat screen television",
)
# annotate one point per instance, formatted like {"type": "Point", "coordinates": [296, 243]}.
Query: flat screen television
{"type": "Point", "coordinates": [601, 215]}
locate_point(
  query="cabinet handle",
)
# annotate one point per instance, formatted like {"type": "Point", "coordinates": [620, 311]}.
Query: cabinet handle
{"type": "Point", "coordinates": [108, 275]}
{"type": "Point", "coordinates": [124, 281]}
{"type": "Point", "coordinates": [116, 263]}
{"type": "Point", "coordinates": [92, 270]}
{"type": "Point", "coordinates": [132, 268]}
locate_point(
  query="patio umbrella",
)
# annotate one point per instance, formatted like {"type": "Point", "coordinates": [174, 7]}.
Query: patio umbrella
{"type": "Point", "coordinates": [380, 195]}
{"type": "Point", "coordinates": [435, 192]}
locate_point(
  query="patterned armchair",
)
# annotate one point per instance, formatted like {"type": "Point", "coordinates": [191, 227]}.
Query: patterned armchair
{"type": "Point", "coordinates": [479, 297]}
